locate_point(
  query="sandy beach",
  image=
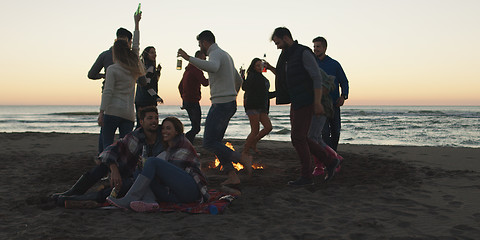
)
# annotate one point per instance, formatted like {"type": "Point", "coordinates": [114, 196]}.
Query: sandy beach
{"type": "Point", "coordinates": [382, 192]}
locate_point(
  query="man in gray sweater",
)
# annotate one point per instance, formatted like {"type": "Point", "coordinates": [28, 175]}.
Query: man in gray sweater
{"type": "Point", "coordinates": [225, 82]}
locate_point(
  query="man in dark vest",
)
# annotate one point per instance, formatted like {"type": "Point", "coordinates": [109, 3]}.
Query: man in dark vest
{"type": "Point", "coordinates": [298, 81]}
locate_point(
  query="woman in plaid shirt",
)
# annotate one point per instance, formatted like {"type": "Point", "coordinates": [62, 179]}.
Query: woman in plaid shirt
{"type": "Point", "coordinates": [173, 176]}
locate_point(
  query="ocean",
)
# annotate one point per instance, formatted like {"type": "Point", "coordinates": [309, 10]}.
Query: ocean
{"type": "Point", "coordinates": [453, 126]}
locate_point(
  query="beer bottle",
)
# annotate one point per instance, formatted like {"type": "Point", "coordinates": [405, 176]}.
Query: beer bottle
{"type": "Point", "coordinates": [179, 63]}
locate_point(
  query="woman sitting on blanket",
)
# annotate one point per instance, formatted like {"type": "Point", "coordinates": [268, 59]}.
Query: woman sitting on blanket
{"type": "Point", "coordinates": [172, 176]}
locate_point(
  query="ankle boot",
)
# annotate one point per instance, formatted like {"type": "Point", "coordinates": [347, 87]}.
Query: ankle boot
{"type": "Point", "coordinates": [93, 196]}
{"type": "Point", "coordinates": [331, 153]}
{"type": "Point", "coordinates": [84, 183]}
{"type": "Point", "coordinates": [319, 167]}
{"type": "Point", "coordinates": [136, 192]}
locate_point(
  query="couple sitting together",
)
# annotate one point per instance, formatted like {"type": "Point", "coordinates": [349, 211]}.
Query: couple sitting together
{"type": "Point", "coordinates": [162, 161]}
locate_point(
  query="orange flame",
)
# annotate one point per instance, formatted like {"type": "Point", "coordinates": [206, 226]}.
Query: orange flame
{"type": "Point", "coordinates": [257, 166]}
{"type": "Point", "coordinates": [217, 163]}
{"type": "Point", "coordinates": [237, 166]}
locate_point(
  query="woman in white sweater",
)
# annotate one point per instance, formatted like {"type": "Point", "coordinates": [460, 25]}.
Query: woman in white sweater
{"type": "Point", "coordinates": [117, 107]}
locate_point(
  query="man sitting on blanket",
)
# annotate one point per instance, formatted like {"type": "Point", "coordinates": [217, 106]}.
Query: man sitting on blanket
{"type": "Point", "coordinates": [121, 159]}
{"type": "Point", "coordinates": [173, 176]}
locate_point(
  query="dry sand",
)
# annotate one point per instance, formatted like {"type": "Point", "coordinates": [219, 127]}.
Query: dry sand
{"type": "Point", "coordinates": [382, 192]}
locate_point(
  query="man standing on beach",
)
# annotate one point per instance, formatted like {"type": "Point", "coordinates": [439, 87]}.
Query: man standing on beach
{"type": "Point", "coordinates": [331, 130]}
{"type": "Point", "coordinates": [225, 82]}
{"type": "Point", "coordinates": [189, 88]}
{"type": "Point", "coordinates": [104, 60]}
{"type": "Point", "coordinates": [298, 81]}
{"type": "Point", "coordinates": [120, 159]}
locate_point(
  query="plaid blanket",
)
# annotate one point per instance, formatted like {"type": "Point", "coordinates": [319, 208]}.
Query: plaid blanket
{"type": "Point", "coordinates": [217, 204]}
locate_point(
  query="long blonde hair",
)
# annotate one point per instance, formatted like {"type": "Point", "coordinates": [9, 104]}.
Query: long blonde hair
{"type": "Point", "coordinates": [123, 55]}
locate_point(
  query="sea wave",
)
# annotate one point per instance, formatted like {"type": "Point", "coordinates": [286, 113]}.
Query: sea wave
{"type": "Point", "coordinates": [382, 125]}
{"type": "Point", "coordinates": [48, 121]}
{"type": "Point", "coordinates": [427, 113]}
{"type": "Point", "coordinates": [283, 131]}
{"type": "Point", "coordinates": [74, 113]}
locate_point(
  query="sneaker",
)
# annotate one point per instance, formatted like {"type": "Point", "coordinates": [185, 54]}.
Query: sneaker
{"type": "Point", "coordinates": [319, 168]}
{"type": "Point", "coordinates": [301, 181]}
{"type": "Point", "coordinates": [139, 206]}
{"type": "Point", "coordinates": [318, 171]}
{"type": "Point", "coordinates": [331, 170]}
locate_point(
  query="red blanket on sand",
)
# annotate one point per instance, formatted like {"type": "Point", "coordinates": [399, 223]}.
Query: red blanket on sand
{"type": "Point", "coordinates": [217, 203]}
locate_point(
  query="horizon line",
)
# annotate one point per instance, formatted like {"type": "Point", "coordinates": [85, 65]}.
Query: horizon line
{"type": "Point", "coordinates": [398, 105]}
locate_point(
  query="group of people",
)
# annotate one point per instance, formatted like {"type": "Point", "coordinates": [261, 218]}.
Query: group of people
{"type": "Point", "coordinates": [159, 163]}
{"type": "Point", "coordinates": [152, 163]}
{"type": "Point", "coordinates": [300, 81]}
{"type": "Point", "coordinates": [125, 68]}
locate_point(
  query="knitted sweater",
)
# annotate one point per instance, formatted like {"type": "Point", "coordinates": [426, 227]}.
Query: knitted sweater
{"type": "Point", "coordinates": [224, 79]}
{"type": "Point", "coordinates": [119, 90]}
{"type": "Point", "coordinates": [118, 94]}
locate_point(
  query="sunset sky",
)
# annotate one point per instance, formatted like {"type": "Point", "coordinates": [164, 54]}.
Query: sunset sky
{"type": "Point", "coordinates": [411, 52]}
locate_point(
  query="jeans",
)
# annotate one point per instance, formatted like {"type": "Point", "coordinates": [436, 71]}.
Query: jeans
{"type": "Point", "coordinates": [300, 120]}
{"type": "Point", "coordinates": [100, 141]}
{"type": "Point", "coordinates": [195, 114]}
{"type": "Point", "coordinates": [100, 171]}
{"type": "Point", "coordinates": [316, 128]}
{"type": "Point", "coordinates": [216, 124]}
{"type": "Point", "coordinates": [169, 182]}
{"type": "Point", "coordinates": [331, 130]}
{"type": "Point", "coordinates": [110, 125]}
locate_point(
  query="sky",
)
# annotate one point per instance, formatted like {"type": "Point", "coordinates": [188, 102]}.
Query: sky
{"type": "Point", "coordinates": [410, 52]}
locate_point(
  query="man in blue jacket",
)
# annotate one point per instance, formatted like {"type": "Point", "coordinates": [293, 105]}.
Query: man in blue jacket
{"type": "Point", "coordinates": [331, 130]}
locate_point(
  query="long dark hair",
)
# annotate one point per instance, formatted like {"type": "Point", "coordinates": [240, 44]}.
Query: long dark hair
{"type": "Point", "coordinates": [123, 55]}
{"type": "Point", "coordinates": [177, 124]}
{"type": "Point", "coordinates": [144, 57]}
{"type": "Point", "coordinates": [251, 68]}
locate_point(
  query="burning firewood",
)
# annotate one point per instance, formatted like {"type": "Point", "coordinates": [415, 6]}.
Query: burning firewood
{"type": "Point", "coordinates": [238, 166]}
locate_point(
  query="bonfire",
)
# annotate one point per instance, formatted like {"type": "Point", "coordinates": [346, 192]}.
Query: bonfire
{"type": "Point", "coordinates": [237, 166]}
